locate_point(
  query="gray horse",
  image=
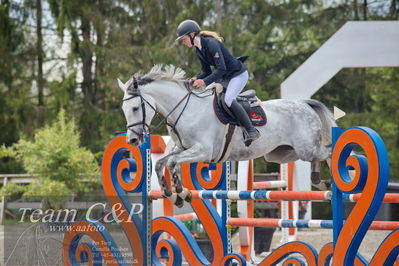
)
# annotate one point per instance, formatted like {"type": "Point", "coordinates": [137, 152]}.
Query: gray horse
{"type": "Point", "coordinates": [296, 129]}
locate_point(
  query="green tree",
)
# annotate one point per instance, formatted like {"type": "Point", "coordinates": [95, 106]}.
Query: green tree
{"type": "Point", "coordinates": [55, 154]}
{"type": "Point", "coordinates": [16, 108]}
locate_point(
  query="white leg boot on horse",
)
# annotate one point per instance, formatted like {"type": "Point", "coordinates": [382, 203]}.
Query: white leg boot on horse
{"type": "Point", "coordinates": [183, 192]}
{"type": "Point", "coordinates": [241, 115]}
{"type": "Point", "coordinates": [165, 189]}
{"type": "Point", "coordinates": [174, 164]}
{"type": "Point", "coordinates": [177, 186]}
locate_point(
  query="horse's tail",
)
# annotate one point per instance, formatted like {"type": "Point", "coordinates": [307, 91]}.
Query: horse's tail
{"type": "Point", "coordinates": [326, 118]}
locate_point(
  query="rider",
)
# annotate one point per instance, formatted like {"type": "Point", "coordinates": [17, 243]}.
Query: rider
{"type": "Point", "coordinates": [228, 69]}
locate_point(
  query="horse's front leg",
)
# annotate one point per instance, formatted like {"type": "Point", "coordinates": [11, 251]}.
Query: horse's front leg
{"type": "Point", "coordinates": [197, 153]}
{"type": "Point", "coordinates": [177, 186]}
{"type": "Point", "coordinates": [159, 166]}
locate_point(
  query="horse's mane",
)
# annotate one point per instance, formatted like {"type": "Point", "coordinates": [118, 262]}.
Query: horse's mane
{"type": "Point", "coordinates": [166, 72]}
{"type": "Point", "coordinates": [160, 72]}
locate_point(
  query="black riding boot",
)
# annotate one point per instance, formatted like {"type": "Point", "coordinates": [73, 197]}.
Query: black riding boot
{"type": "Point", "coordinates": [243, 119]}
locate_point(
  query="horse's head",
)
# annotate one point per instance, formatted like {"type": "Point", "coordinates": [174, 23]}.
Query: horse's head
{"type": "Point", "coordinates": [139, 109]}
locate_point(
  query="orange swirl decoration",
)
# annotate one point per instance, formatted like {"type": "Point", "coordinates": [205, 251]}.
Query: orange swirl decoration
{"type": "Point", "coordinates": [372, 171]}
{"type": "Point", "coordinates": [195, 176]}
{"type": "Point", "coordinates": [327, 251]}
{"type": "Point", "coordinates": [116, 176]}
{"type": "Point", "coordinates": [207, 176]}
{"type": "Point", "coordinates": [167, 248]}
{"type": "Point", "coordinates": [388, 251]}
{"type": "Point", "coordinates": [293, 262]}
{"type": "Point", "coordinates": [296, 247]}
{"type": "Point", "coordinates": [199, 176]}
{"type": "Point", "coordinates": [117, 170]}
{"type": "Point", "coordinates": [230, 258]}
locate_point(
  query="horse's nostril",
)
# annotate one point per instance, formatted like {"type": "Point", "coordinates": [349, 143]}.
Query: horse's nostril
{"type": "Point", "coordinates": [133, 141]}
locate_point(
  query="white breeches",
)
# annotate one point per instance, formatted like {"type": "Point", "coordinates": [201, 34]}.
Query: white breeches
{"type": "Point", "coordinates": [235, 86]}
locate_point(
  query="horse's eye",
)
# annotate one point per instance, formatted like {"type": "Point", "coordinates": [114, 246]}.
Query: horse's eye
{"type": "Point", "coordinates": [135, 109]}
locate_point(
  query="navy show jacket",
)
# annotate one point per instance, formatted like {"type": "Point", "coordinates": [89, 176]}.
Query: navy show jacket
{"type": "Point", "coordinates": [214, 53]}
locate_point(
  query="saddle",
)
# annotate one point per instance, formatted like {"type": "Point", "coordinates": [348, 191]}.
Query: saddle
{"type": "Point", "coordinates": [248, 100]}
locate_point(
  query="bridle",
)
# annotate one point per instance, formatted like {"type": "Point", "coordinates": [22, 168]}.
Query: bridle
{"type": "Point", "coordinates": [133, 92]}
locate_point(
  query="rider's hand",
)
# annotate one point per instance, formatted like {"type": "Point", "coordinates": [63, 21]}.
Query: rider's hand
{"type": "Point", "coordinates": [192, 80]}
{"type": "Point", "coordinates": [198, 83]}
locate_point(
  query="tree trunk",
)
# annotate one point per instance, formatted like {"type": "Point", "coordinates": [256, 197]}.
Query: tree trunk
{"type": "Point", "coordinates": [355, 9]}
{"type": "Point", "coordinates": [393, 10]}
{"type": "Point", "coordinates": [364, 9]}
{"type": "Point", "coordinates": [219, 14]}
{"type": "Point", "coordinates": [5, 63]}
{"type": "Point", "coordinates": [99, 94]}
{"type": "Point", "coordinates": [39, 51]}
{"type": "Point", "coordinates": [87, 62]}
{"type": "Point", "coordinates": [41, 112]}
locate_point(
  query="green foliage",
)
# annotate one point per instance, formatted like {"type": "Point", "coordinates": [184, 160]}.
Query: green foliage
{"type": "Point", "coordinates": [55, 154]}
{"type": "Point", "coordinates": [12, 189]}
{"type": "Point", "coordinates": [6, 151]}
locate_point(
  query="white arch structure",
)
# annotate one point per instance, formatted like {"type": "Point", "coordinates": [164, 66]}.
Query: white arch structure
{"type": "Point", "coordinates": [358, 44]}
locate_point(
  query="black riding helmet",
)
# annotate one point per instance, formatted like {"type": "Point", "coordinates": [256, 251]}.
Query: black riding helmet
{"type": "Point", "coordinates": [186, 27]}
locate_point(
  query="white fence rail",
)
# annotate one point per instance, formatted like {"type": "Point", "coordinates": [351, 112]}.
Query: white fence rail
{"type": "Point", "coordinates": [13, 178]}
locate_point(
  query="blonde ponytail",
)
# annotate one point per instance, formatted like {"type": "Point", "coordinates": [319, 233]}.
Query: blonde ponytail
{"type": "Point", "coordinates": [212, 34]}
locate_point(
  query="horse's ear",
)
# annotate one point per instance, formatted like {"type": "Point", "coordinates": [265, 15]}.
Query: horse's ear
{"type": "Point", "coordinates": [122, 85]}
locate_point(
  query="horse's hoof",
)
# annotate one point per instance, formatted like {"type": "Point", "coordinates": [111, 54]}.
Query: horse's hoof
{"type": "Point", "coordinates": [189, 198]}
{"type": "Point", "coordinates": [173, 198]}
{"type": "Point", "coordinates": [322, 186]}
{"type": "Point", "coordinates": [315, 177]}
{"type": "Point", "coordinates": [186, 195]}
{"type": "Point", "coordinates": [328, 184]}
{"type": "Point", "coordinates": [179, 202]}
{"type": "Point", "coordinates": [184, 192]}
{"type": "Point", "coordinates": [176, 200]}
{"type": "Point", "coordinates": [179, 189]}
{"type": "Point", "coordinates": [166, 193]}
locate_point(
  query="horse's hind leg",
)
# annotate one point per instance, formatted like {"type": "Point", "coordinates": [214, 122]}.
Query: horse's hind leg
{"type": "Point", "coordinates": [316, 153]}
{"type": "Point", "coordinates": [324, 154]}
{"type": "Point", "coordinates": [315, 175]}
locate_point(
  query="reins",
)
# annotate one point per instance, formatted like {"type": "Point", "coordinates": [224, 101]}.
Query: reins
{"type": "Point", "coordinates": [173, 126]}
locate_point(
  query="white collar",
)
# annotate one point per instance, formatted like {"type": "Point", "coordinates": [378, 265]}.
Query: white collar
{"type": "Point", "coordinates": [199, 44]}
